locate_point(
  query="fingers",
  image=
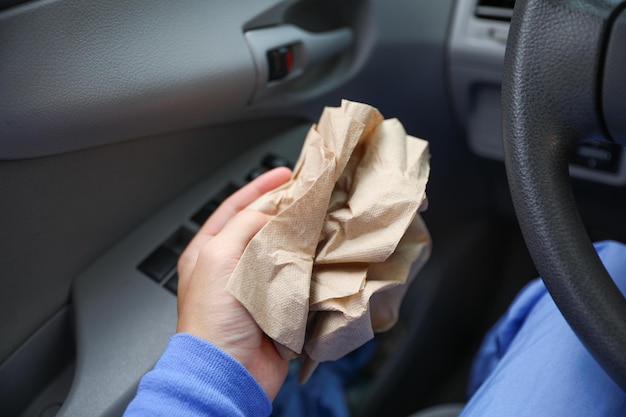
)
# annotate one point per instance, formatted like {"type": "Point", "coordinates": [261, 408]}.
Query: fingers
{"type": "Point", "coordinates": [242, 198]}
{"type": "Point", "coordinates": [227, 210]}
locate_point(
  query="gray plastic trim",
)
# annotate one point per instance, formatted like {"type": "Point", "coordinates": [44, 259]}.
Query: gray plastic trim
{"type": "Point", "coordinates": [123, 318]}
{"type": "Point", "coordinates": [476, 54]}
{"type": "Point", "coordinates": [617, 179]}
{"type": "Point", "coordinates": [38, 361]}
{"type": "Point", "coordinates": [49, 402]}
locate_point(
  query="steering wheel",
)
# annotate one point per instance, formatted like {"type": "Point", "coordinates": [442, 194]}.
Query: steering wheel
{"type": "Point", "coordinates": [564, 81]}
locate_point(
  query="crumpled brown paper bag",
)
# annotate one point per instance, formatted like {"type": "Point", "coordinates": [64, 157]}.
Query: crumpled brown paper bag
{"type": "Point", "coordinates": [331, 267]}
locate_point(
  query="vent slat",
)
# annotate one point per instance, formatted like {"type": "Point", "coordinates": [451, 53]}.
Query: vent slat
{"type": "Point", "coordinates": [495, 9]}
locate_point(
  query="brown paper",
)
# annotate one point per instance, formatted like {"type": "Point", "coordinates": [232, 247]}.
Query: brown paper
{"type": "Point", "coordinates": [331, 267]}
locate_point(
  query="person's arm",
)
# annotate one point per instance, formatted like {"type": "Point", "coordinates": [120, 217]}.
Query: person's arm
{"type": "Point", "coordinates": [219, 362]}
{"type": "Point", "coordinates": [195, 378]}
{"type": "Point", "coordinates": [205, 308]}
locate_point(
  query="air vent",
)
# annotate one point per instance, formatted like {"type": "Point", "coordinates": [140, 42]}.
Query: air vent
{"type": "Point", "coordinates": [495, 9]}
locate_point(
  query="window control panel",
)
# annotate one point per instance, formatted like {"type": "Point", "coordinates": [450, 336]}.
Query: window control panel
{"type": "Point", "coordinates": [160, 264]}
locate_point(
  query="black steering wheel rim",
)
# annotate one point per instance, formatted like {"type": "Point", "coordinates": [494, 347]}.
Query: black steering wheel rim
{"type": "Point", "coordinates": [551, 99]}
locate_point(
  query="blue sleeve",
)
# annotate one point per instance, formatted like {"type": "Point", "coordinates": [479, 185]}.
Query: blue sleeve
{"type": "Point", "coordinates": [195, 378]}
{"type": "Point", "coordinates": [532, 363]}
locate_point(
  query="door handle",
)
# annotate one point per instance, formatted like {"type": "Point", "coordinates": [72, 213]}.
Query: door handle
{"type": "Point", "coordinates": [283, 53]}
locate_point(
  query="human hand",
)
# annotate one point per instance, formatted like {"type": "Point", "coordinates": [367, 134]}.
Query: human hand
{"type": "Point", "coordinates": [205, 308]}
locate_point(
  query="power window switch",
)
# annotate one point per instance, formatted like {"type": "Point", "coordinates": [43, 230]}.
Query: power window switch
{"type": "Point", "coordinates": [255, 173]}
{"type": "Point", "coordinates": [272, 161]}
{"type": "Point", "coordinates": [159, 263]}
{"type": "Point", "coordinates": [172, 284]}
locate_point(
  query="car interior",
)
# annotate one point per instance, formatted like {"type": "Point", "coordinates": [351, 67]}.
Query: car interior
{"type": "Point", "coordinates": [123, 125]}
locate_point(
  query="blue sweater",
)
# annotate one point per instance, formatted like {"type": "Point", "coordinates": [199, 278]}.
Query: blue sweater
{"type": "Point", "coordinates": [194, 378]}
